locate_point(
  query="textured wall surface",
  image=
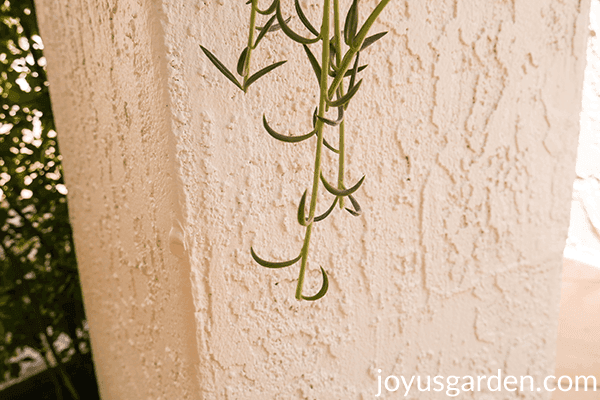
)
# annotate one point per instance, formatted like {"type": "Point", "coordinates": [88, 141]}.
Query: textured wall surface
{"type": "Point", "coordinates": [466, 129]}
{"type": "Point", "coordinates": [107, 68]}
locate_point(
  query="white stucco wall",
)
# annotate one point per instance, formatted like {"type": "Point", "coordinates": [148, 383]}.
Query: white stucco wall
{"type": "Point", "coordinates": [466, 129]}
{"type": "Point", "coordinates": [111, 105]}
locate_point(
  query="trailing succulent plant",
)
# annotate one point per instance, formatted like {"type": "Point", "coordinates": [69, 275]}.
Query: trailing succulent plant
{"type": "Point", "coordinates": [338, 64]}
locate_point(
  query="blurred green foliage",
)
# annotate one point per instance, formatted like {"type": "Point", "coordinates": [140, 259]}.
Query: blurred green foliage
{"type": "Point", "coordinates": [40, 296]}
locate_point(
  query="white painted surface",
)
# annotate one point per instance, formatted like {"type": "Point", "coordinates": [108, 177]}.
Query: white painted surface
{"type": "Point", "coordinates": [466, 130]}
{"type": "Point", "coordinates": [107, 75]}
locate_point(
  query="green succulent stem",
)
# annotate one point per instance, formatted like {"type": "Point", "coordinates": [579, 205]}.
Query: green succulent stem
{"type": "Point", "coordinates": [325, 57]}
{"type": "Point", "coordinates": [341, 129]}
{"type": "Point", "coordinates": [253, 12]}
{"type": "Point", "coordinates": [335, 63]}
{"type": "Point", "coordinates": [344, 65]}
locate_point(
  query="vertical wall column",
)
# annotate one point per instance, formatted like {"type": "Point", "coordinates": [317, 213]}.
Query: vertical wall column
{"type": "Point", "coordinates": [466, 129]}
{"type": "Point", "coordinates": [107, 71]}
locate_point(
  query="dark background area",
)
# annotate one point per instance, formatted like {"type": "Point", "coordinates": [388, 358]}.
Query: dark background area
{"type": "Point", "coordinates": [40, 297]}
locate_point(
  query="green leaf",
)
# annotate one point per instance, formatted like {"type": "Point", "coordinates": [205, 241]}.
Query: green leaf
{"type": "Point", "coordinates": [357, 210]}
{"type": "Point", "coordinates": [333, 53]}
{"type": "Point", "coordinates": [342, 101]}
{"type": "Point", "coordinates": [351, 24]}
{"type": "Point", "coordinates": [305, 20]}
{"type": "Point", "coordinates": [16, 95]}
{"type": "Point", "coordinates": [368, 24]}
{"type": "Point", "coordinates": [268, 10]}
{"type": "Point", "coordinates": [221, 67]}
{"type": "Point", "coordinates": [269, 264]}
{"type": "Point", "coordinates": [242, 62]}
{"type": "Point", "coordinates": [336, 122]}
{"type": "Point", "coordinates": [302, 211]}
{"type": "Point", "coordinates": [262, 72]}
{"type": "Point", "coordinates": [323, 290]}
{"type": "Point", "coordinates": [285, 138]}
{"type": "Point", "coordinates": [290, 33]}
{"type": "Point", "coordinates": [274, 27]}
{"type": "Point", "coordinates": [341, 192]}
{"type": "Point", "coordinates": [326, 213]}
{"type": "Point", "coordinates": [372, 39]}
{"type": "Point", "coordinates": [330, 147]}
{"type": "Point", "coordinates": [313, 62]}
{"type": "Point", "coordinates": [348, 73]}
{"type": "Point", "coordinates": [264, 30]}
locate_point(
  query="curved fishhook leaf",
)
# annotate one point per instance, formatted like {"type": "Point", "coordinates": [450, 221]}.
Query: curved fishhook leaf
{"type": "Point", "coordinates": [333, 69]}
{"type": "Point", "coordinates": [330, 147]}
{"type": "Point", "coordinates": [285, 138]}
{"type": "Point", "coordinates": [313, 62]}
{"type": "Point", "coordinates": [275, 27]}
{"type": "Point", "coordinates": [268, 10]}
{"type": "Point", "coordinates": [351, 24]}
{"type": "Point", "coordinates": [242, 62]}
{"type": "Point", "coordinates": [333, 61]}
{"type": "Point", "coordinates": [323, 290]}
{"type": "Point", "coordinates": [348, 73]}
{"type": "Point", "coordinates": [341, 192]}
{"type": "Point", "coordinates": [339, 119]}
{"type": "Point", "coordinates": [305, 20]}
{"type": "Point", "coordinates": [302, 211]}
{"type": "Point", "coordinates": [221, 67]}
{"type": "Point", "coordinates": [326, 213]}
{"type": "Point", "coordinates": [269, 264]}
{"type": "Point", "coordinates": [262, 72]}
{"type": "Point", "coordinates": [314, 117]}
{"type": "Point", "coordinates": [290, 33]}
{"type": "Point", "coordinates": [342, 101]}
{"type": "Point", "coordinates": [372, 39]}
{"type": "Point", "coordinates": [357, 210]}
{"type": "Point", "coordinates": [366, 26]}
{"type": "Point", "coordinates": [263, 31]}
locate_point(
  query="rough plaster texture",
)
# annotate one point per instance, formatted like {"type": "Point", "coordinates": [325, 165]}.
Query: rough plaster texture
{"type": "Point", "coordinates": [466, 131]}
{"type": "Point", "coordinates": [107, 68]}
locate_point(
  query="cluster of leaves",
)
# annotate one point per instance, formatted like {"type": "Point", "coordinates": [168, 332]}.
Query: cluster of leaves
{"type": "Point", "coordinates": [40, 296]}
{"type": "Point", "coordinates": [340, 54]}
{"type": "Point", "coordinates": [243, 64]}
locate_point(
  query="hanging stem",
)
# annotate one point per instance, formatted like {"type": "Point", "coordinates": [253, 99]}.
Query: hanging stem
{"type": "Point", "coordinates": [331, 57]}
{"type": "Point", "coordinates": [341, 128]}
{"type": "Point", "coordinates": [254, 7]}
{"type": "Point", "coordinates": [319, 128]}
{"type": "Point", "coordinates": [358, 42]}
